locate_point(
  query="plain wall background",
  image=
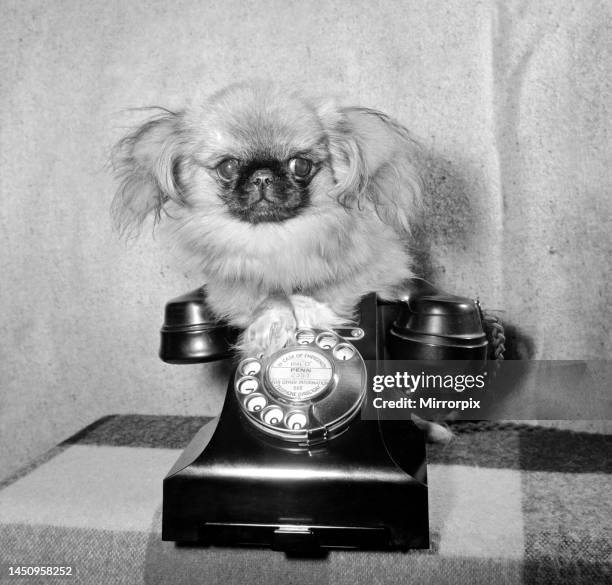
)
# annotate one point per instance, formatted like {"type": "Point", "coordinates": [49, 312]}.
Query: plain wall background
{"type": "Point", "coordinates": [511, 99]}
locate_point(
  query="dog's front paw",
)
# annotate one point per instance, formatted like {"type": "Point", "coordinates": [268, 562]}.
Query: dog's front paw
{"type": "Point", "coordinates": [313, 314]}
{"type": "Point", "coordinates": [434, 432]}
{"type": "Point", "coordinates": [271, 330]}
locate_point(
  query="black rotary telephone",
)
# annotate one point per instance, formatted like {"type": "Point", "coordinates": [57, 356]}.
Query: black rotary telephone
{"type": "Point", "coordinates": [289, 463]}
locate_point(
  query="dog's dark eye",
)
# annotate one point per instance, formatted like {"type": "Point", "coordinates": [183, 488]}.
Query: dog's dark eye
{"type": "Point", "coordinates": [228, 169]}
{"type": "Point", "coordinates": [300, 167]}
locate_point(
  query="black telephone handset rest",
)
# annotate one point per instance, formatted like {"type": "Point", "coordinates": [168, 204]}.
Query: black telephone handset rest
{"type": "Point", "coordinates": [424, 324]}
{"type": "Point", "coordinates": [434, 325]}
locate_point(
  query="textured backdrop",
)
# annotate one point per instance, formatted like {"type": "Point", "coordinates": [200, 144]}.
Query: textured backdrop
{"type": "Point", "coordinates": [511, 99]}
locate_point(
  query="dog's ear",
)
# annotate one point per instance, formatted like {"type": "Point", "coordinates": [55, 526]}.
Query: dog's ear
{"type": "Point", "coordinates": [146, 162]}
{"type": "Point", "coordinates": [375, 160]}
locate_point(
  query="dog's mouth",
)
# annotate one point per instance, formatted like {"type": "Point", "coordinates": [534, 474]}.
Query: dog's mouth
{"type": "Point", "coordinates": [264, 210]}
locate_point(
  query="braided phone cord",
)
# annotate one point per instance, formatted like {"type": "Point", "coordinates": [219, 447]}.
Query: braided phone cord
{"type": "Point", "coordinates": [494, 331]}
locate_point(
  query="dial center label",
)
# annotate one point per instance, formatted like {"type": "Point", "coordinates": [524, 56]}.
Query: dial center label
{"type": "Point", "coordinates": [300, 374]}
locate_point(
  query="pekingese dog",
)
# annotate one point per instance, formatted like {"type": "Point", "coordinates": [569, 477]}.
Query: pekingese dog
{"type": "Point", "coordinates": [293, 207]}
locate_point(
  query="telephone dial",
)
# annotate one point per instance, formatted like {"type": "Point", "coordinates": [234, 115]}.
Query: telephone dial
{"type": "Point", "coordinates": [289, 463]}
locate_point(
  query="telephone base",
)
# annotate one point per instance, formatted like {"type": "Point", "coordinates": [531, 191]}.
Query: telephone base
{"type": "Point", "coordinates": [364, 489]}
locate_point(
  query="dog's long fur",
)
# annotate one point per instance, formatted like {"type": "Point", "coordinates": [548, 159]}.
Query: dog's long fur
{"type": "Point", "coordinates": [273, 276]}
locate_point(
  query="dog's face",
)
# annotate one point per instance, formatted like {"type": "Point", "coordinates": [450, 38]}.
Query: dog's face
{"type": "Point", "coordinates": [264, 185]}
{"type": "Point", "coordinates": [264, 155]}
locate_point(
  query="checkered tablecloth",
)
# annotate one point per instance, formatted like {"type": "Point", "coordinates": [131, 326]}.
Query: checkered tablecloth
{"type": "Point", "coordinates": [510, 504]}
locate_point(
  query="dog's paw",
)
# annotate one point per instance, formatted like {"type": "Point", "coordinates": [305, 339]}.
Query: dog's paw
{"type": "Point", "coordinates": [312, 314]}
{"type": "Point", "coordinates": [434, 432]}
{"type": "Point", "coordinates": [271, 329]}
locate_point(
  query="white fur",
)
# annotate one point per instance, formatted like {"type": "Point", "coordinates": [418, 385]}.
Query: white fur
{"type": "Point", "coordinates": [272, 325]}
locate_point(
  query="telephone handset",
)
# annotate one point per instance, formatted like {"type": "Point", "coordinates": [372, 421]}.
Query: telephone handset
{"type": "Point", "coordinates": [276, 467]}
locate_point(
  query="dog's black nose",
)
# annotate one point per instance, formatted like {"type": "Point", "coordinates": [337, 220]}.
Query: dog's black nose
{"type": "Point", "coordinates": [262, 178]}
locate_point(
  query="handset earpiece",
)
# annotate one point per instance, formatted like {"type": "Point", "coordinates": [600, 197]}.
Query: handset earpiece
{"type": "Point", "coordinates": [434, 325]}
{"type": "Point", "coordinates": [191, 334]}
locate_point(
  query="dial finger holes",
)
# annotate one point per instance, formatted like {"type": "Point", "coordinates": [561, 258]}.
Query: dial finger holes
{"type": "Point", "coordinates": [343, 352]}
{"type": "Point", "coordinates": [326, 340]}
{"type": "Point", "coordinates": [273, 415]}
{"type": "Point", "coordinates": [305, 336]}
{"type": "Point", "coordinates": [250, 367]}
{"type": "Point", "coordinates": [296, 421]}
{"type": "Point", "coordinates": [255, 402]}
{"type": "Point", "coordinates": [247, 385]}
{"type": "Point", "coordinates": [357, 333]}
